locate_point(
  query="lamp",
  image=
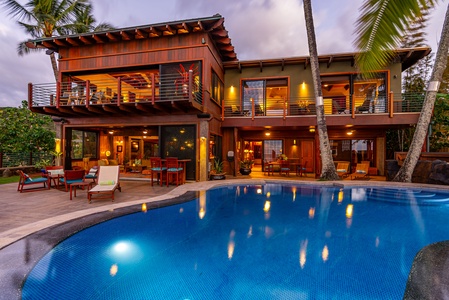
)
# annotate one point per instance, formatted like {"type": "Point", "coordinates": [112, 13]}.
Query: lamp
{"type": "Point", "coordinates": [294, 142]}
{"type": "Point", "coordinates": [312, 129]}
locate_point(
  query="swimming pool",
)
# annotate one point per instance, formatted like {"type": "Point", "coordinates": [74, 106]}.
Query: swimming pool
{"type": "Point", "coordinates": [268, 241]}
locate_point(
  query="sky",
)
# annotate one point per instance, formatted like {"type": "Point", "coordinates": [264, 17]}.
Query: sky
{"type": "Point", "coordinates": [259, 29]}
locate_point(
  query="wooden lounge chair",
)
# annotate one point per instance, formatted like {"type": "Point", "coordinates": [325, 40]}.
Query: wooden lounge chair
{"type": "Point", "coordinates": [108, 181]}
{"type": "Point", "coordinates": [342, 170]}
{"type": "Point", "coordinates": [361, 172]}
{"type": "Point", "coordinates": [26, 180]}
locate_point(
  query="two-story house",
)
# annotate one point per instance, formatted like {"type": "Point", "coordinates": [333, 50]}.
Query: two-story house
{"type": "Point", "coordinates": [178, 89]}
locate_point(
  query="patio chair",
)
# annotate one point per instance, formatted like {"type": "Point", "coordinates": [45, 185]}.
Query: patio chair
{"type": "Point", "coordinates": [174, 170]}
{"type": "Point", "coordinates": [365, 107]}
{"type": "Point", "coordinates": [361, 172]}
{"type": "Point", "coordinates": [108, 181]}
{"type": "Point", "coordinates": [268, 168]}
{"type": "Point", "coordinates": [342, 170]}
{"type": "Point", "coordinates": [26, 180]}
{"type": "Point", "coordinates": [71, 177]}
{"type": "Point", "coordinates": [285, 168]}
{"type": "Point", "coordinates": [92, 174]}
{"type": "Point", "coordinates": [157, 169]}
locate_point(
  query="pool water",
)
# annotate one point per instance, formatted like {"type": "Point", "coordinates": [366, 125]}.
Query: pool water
{"type": "Point", "coordinates": [251, 242]}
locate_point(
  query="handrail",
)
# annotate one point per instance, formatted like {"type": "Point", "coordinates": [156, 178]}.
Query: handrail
{"type": "Point", "coordinates": [116, 91]}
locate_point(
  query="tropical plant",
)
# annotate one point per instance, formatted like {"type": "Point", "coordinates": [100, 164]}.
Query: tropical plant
{"type": "Point", "coordinates": [328, 171]}
{"type": "Point", "coordinates": [246, 164]}
{"type": "Point", "coordinates": [85, 22]}
{"type": "Point", "coordinates": [21, 130]}
{"type": "Point", "coordinates": [379, 29]}
{"type": "Point", "coordinates": [217, 167]}
{"type": "Point", "coordinates": [45, 18]}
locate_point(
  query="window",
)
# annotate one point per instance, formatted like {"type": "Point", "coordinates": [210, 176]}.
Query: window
{"type": "Point", "coordinates": [217, 88]}
{"type": "Point", "coordinates": [269, 96]}
{"type": "Point", "coordinates": [368, 94]}
{"type": "Point", "coordinates": [84, 144]}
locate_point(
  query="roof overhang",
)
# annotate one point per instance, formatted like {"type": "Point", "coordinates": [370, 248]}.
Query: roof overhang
{"type": "Point", "coordinates": [214, 26]}
{"type": "Point", "coordinates": [407, 56]}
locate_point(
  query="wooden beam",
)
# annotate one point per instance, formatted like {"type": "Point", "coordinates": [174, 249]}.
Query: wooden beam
{"type": "Point", "coordinates": [221, 33]}
{"type": "Point", "coordinates": [331, 58]}
{"type": "Point", "coordinates": [186, 27]}
{"type": "Point", "coordinates": [170, 30]}
{"type": "Point", "coordinates": [127, 108]}
{"type": "Point", "coordinates": [126, 36]}
{"type": "Point", "coordinates": [59, 42]}
{"type": "Point", "coordinates": [306, 62]}
{"type": "Point", "coordinates": [95, 109]}
{"type": "Point", "coordinates": [85, 40]}
{"type": "Point", "coordinates": [111, 37]}
{"type": "Point", "coordinates": [145, 108]}
{"type": "Point", "coordinates": [140, 34]}
{"type": "Point", "coordinates": [99, 38]}
{"type": "Point", "coordinates": [81, 110]}
{"type": "Point", "coordinates": [111, 108]}
{"type": "Point", "coordinates": [217, 24]}
{"type": "Point", "coordinates": [283, 65]}
{"type": "Point", "coordinates": [261, 66]}
{"type": "Point", "coordinates": [155, 32]}
{"type": "Point", "coordinates": [73, 42]}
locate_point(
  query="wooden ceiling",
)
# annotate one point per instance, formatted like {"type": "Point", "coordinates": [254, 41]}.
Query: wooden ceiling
{"type": "Point", "coordinates": [214, 26]}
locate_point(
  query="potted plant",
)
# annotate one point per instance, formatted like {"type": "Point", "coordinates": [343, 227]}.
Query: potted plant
{"type": "Point", "coordinates": [217, 170]}
{"type": "Point", "coordinates": [245, 166]}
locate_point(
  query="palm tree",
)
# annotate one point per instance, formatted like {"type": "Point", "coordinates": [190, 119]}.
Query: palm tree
{"type": "Point", "coordinates": [379, 29]}
{"type": "Point", "coordinates": [328, 171]}
{"type": "Point", "coordinates": [85, 22]}
{"type": "Point", "coordinates": [44, 18]}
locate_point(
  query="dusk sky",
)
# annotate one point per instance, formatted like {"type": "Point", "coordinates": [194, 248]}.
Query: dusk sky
{"type": "Point", "coordinates": [258, 29]}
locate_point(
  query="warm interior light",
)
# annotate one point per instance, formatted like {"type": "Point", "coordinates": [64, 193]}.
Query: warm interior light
{"type": "Point", "coordinates": [312, 129]}
{"type": "Point", "coordinates": [350, 132]}
{"type": "Point", "coordinates": [267, 133]}
{"type": "Point", "coordinates": [294, 142]}
{"type": "Point", "coordinates": [182, 130]}
{"type": "Point", "coordinates": [145, 132]}
{"type": "Point", "coordinates": [111, 131]}
{"type": "Point", "coordinates": [108, 153]}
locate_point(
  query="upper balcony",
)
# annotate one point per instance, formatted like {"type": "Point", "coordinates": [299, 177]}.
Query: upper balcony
{"type": "Point", "coordinates": [343, 110]}
{"type": "Point", "coordinates": [150, 93]}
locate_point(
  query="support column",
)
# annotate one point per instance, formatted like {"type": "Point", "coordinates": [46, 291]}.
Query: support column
{"type": "Point", "coordinates": [203, 150]}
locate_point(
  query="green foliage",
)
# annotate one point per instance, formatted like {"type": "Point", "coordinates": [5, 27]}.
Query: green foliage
{"type": "Point", "coordinates": [381, 27]}
{"type": "Point", "coordinates": [246, 164]}
{"type": "Point", "coordinates": [24, 131]}
{"type": "Point", "coordinates": [439, 138]}
{"type": "Point", "coordinates": [11, 179]}
{"type": "Point", "coordinates": [217, 167]}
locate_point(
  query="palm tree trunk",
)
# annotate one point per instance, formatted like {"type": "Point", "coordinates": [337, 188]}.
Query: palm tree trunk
{"type": "Point", "coordinates": [406, 171]}
{"type": "Point", "coordinates": [54, 66]}
{"type": "Point", "coordinates": [328, 171]}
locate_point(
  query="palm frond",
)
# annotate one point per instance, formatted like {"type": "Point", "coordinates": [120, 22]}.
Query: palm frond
{"type": "Point", "coordinates": [380, 28]}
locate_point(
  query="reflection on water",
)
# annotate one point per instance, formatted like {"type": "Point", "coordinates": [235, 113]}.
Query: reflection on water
{"type": "Point", "coordinates": [250, 242]}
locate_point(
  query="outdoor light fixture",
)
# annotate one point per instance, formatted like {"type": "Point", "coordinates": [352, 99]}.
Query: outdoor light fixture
{"type": "Point", "coordinates": [312, 129]}
{"type": "Point", "coordinates": [350, 132]}
{"type": "Point", "coordinates": [145, 131]}
{"type": "Point", "coordinates": [294, 142]}
{"type": "Point", "coordinates": [111, 131]}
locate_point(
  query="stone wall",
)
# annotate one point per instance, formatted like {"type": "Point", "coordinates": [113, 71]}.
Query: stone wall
{"type": "Point", "coordinates": [426, 171]}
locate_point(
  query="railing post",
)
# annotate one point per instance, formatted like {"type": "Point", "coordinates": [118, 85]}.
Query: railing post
{"type": "Point", "coordinates": [253, 108]}
{"type": "Point", "coordinates": [153, 88]}
{"type": "Point", "coordinates": [190, 89]}
{"type": "Point", "coordinates": [58, 93]}
{"type": "Point", "coordinates": [285, 109]}
{"type": "Point", "coordinates": [30, 95]}
{"type": "Point", "coordinates": [119, 90]}
{"type": "Point", "coordinates": [87, 93]}
{"type": "Point", "coordinates": [391, 103]}
{"type": "Point", "coordinates": [222, 110]}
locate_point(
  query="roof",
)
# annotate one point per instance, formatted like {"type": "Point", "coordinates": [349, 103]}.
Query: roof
{"type": "Point", "coordinates": [407, 56]}
{"type": "Point", "coordinates": [213, 25]}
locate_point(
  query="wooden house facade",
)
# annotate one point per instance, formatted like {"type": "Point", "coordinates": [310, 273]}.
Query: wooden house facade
{"type": "Point", "coordinates": [178, 89]}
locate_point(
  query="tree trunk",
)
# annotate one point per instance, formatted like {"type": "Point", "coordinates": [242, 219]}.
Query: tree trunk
{"type": "Point", "coordinates": [328, 171]}
{"type": "Point", "coordinates": [54, 65]}
{"type": "Point", "coordinates": [406, 171]}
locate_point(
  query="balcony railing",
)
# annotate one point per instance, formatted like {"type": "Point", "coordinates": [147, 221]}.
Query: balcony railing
{"type": "Point", "coordinates": [156, 88]}
{"type": "Point", "coordinates": [341, 105]}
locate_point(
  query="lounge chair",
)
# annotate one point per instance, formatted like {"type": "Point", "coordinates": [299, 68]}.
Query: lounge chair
{"type": "Point", "coordinates": [365, 107]}
{"type": "Point", "coordinates": [107, 182]}
{"type": "Point", "coordinates": [92, 174]}
{"type": "Point", "coordinates": [26, 180]}
{"type": "Point", "coordinates": [342, 170]}
{"type": "Point", "coordinates": [361, 172]}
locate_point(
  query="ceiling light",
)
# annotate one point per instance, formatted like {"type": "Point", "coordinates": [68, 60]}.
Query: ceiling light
{"type": "Point", "coordinates": [312, 129]}
{"type": "Point", "coordinates": [111, 131]}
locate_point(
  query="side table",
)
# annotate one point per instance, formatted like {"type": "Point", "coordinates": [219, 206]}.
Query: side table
{"type": "Point", "coordinates": [81, 185]}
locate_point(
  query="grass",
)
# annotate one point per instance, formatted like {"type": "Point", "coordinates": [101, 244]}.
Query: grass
{"type": "Point", "coordinates": [11, 179]}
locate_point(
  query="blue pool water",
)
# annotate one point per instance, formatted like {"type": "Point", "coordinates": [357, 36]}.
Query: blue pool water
{"type": "Point", "coordinates": [251, 242]}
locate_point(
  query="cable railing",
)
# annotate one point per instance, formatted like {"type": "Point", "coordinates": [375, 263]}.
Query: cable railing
{"type": "Point", "coordinates": [338, 105]}
{"type": "Point", "coordinates": [156, 88]}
